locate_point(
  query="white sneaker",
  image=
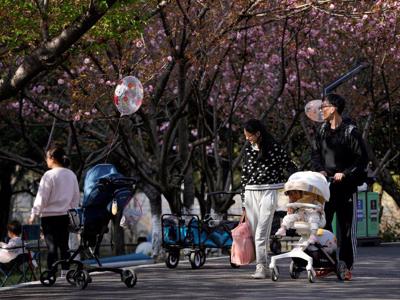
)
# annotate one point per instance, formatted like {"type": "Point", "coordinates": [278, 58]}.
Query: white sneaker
{"type": "Point", "coordinates": [260, 273]}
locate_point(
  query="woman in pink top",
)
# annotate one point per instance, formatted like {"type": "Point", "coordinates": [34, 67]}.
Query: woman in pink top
{"type": "Point", "coordinates": [58, 192]}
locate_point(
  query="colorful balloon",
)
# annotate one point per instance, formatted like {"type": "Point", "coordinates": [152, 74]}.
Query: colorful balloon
{"type": "Point", "coordinates": [313, 110]}
{"type": "Point", "coordinates": [128, 95]}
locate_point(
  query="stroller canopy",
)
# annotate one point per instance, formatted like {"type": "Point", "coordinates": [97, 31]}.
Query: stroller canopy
{"type": "Point", "coordinates": [309, 181]}
{"type": "Point", "coordinates": [94, 174]}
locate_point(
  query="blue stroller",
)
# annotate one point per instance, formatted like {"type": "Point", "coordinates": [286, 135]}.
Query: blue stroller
{"type": "Point", "coordinates": [105, 192]}
{"type": "Point", "coordinates": [189, 232]}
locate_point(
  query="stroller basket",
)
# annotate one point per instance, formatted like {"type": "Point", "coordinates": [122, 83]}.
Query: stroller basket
{"type": "Point", "coordinates": [214, 234]}
{"type": "Point", "coordinates": [189, 232]}
{"type": "Point", "coordinates": [180, 232]}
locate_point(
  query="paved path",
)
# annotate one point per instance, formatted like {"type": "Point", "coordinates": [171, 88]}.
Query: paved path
{"type": "Point", "coordinates": [377, 276]}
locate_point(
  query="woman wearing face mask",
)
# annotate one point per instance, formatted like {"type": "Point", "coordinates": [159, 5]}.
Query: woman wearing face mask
{"type": "Point", "coordinates": [263, 168]}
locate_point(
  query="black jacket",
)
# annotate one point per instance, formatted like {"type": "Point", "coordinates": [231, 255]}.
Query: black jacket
{"type": "Point", "coordinates": [340, 150]}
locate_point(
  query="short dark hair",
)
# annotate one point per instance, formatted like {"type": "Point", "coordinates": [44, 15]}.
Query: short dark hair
{"type": "Point", "coordinates": [15, 227]}
{"type": "Point", "coordinates": [337, 101]}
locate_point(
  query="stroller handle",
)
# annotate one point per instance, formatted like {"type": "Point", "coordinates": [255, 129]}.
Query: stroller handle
{"type": "Point", "coordinates": [119, 180]}
{"type": "Point", "coordinates": [125, 179]}
{"type": "Point", "coordinates": [303, 205]}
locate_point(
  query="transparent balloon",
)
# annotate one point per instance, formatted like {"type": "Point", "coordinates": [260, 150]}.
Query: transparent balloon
{"type": "Point", "coordinates": [313, 110]}
{"type": "Point", "coordinates": [128, 95]}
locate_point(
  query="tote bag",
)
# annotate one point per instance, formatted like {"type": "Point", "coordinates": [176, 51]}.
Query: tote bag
{"type": "Point", "coordinates": [242, 251]}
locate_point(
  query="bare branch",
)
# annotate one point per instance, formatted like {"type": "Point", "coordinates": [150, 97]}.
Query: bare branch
{"type": "Point", "coordinates": [50, 53]}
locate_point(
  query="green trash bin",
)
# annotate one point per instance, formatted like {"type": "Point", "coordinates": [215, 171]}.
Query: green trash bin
{"type": "Point", "coordinates": [361, 215]}
{"type": "Point", "coordinates": [372, 215]}
{"type": "Point", "coordinates": [367, 218]}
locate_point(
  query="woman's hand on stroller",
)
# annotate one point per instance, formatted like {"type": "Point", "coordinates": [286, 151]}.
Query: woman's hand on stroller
{"type": "Point", "coordinates": [338, 177]}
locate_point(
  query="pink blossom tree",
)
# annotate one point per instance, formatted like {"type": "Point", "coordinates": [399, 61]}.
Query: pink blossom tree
{"type": "Point", "coordinates": [207, 67]}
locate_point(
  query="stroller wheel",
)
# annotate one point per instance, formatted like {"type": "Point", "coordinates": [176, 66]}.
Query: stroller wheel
{"type": "Point", "coordinates": [294, 271]}
{"type": "Point", "coordinates": [71, 277]}
{"type": "Point", "coordinates": [202, 257]}
{"type": "Point", "coordinates": [82, 279]}
{"type": "Point", "coordinates": [47, 278]}
{"type": "Point", "coordinates": [195, 259]}
{"type": "Point", "coordinates": [172, 259]}
{"type": "Point", "coordinates": [310, 275]}
{"type": "Point", "coordinates": [129, 278]}
{"type": "Point", "coordinates": [341, 270]}
{"type": "Point", "coordinates": [275, 273]}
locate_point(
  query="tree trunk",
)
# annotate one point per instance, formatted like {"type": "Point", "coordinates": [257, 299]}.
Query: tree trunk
{"type": "Point", "coordinates": [156, 210]}
{"type": "Point", "coordinates": [5, 197]}
{"type": "Point", "coordinates": [49, 55]}
{"type": "Point", "coordinates": [389, 185]}
{"type": "Point", "coordinates": [118, 236]}
{"type": "Point", "coordinates": [188, 190]}
{"type": "Point", "coordinates": [385, 179]}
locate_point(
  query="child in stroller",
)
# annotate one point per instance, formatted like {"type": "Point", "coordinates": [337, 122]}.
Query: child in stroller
{"type": "Point", "coordinates": [316, 249]}
{"type": "Point", "coordinates": [296, 189]}
{"type": "Point", "coordinates": [106, 192]}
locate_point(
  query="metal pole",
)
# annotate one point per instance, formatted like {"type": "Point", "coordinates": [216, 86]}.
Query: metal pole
{"type": "Point", "coordinates": [354, 71]}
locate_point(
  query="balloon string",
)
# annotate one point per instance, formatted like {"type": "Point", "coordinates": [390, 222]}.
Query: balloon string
{"type": "Point", "coordinates": [113, 139]}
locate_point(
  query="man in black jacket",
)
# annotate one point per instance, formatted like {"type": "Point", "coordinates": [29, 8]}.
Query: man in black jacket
{"type": "Point", "coordinates": [340, 155]}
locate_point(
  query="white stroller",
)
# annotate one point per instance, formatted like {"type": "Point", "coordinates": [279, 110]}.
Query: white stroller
{"type": "Point", "coordinates": [310, 254]}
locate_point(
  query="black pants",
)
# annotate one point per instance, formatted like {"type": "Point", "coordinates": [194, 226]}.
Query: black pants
{"type": "Point", "coordinates": [343, 202]}
{"type": "Point", "coordinates": [56, 235]}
